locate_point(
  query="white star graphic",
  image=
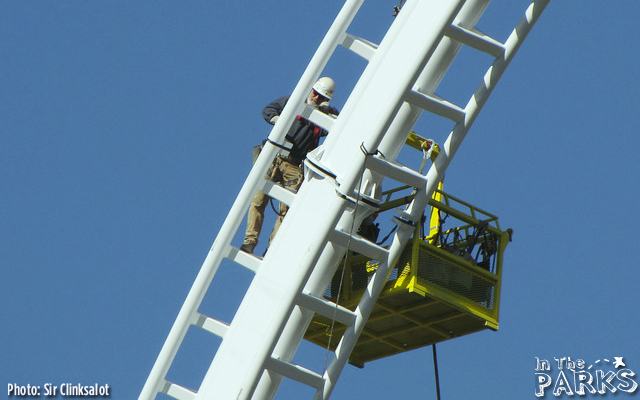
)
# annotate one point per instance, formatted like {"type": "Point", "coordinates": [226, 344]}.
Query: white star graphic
{"type": "Point", "coordinates": [618, 362]}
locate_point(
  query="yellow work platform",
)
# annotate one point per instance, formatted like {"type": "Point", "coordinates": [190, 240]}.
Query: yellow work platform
{"type": "Point", "coordinates": [446, 284]}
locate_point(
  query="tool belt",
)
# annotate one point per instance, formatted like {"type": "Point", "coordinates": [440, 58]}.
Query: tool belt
{"type": "Point", "coordinates": [292, 160]}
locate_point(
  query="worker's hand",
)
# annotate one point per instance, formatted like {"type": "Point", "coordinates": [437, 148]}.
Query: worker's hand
{"type": "Point", "coordinates": [273, 119]}
{"type": "Point", "coordinates": [324, 107]}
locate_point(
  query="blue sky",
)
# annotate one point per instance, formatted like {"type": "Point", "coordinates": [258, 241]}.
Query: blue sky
{"type": "Point", "coordinates": [126, 131]}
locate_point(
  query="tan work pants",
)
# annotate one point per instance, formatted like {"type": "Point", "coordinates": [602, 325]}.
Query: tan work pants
{"type": "Point", "coordinates": [286, 174]}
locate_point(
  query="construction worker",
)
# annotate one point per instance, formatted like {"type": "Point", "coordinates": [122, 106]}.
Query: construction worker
{"type": "Point", "coordinates": [303, 136]}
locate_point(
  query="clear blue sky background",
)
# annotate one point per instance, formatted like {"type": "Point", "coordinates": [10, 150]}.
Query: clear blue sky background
{"type": "Point", "coordinates": [126, 131]}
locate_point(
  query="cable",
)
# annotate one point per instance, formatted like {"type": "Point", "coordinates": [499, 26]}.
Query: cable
{"type": "Point", "coordinates": [435, 367]}
{"type": "Point", "coordinates": [344, 268]}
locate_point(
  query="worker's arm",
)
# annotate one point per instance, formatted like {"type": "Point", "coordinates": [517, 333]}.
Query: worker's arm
{"type": "Point", "coordinates": [327, 109]}
{"type": "Point", "coordinates": [273, 110]}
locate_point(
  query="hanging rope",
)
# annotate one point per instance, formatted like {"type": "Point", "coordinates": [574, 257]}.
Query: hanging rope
{"type": "Point", "coordinates": [273, 207]}
{"type": "Point", "coordinates": [387, 237]}
{"type": "Point", "coordinates": [435, 367]}
{"type": "Point", "coordinates": [344, 267]}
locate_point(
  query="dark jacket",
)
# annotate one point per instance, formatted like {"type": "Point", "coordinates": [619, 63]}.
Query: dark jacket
{"type": "Point", "coordinates": [303, 134]}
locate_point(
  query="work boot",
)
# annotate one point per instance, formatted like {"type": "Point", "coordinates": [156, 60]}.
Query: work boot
{"type": "Point", "coordinates": [248, 247]}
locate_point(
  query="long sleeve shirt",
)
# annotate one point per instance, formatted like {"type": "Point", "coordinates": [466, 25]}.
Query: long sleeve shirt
{"type": "Point", "coordinates": [303, 134]}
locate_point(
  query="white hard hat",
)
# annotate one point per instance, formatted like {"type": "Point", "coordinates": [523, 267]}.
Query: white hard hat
{"type": "Point", "coordinates": [325, 87]}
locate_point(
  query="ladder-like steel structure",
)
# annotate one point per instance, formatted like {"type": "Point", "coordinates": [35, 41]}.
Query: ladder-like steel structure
{"type": "Point", "coordinates": [342, 185]}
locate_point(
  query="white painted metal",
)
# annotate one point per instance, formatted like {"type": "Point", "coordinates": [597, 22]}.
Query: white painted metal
{"type": "Point", "coordinates": [315, 212]}
{"type": "Point", "coordinates": [400, 80]}
{"type": "Point", "coordinates": [390, 146]}
{"type": "Point", "coordinates": [221, 246]}
{"type": "Point", "coordinates": [435, 175]}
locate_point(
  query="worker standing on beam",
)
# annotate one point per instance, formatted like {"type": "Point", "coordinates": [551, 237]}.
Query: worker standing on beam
{"type": "Point", "coordinates": [286, 170]}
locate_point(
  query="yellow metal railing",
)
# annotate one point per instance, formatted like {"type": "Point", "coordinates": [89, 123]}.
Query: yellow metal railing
{"type": "Point", "coordinates": [435, 265]}
{"type": "Point", "coordinates": [446, 283]}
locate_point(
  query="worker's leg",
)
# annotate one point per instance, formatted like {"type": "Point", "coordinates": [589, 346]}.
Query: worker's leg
{"type": "Point", "coordinates": [255, 217]}
{"type": "Point", "coordinates": [291, 175]}
{"type": "Point", "coordinates": [254, 221]}
{"type": "Point", "coordinates": [281, 213]}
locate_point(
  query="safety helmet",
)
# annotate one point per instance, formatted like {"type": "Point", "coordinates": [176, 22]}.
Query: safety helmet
{"type": "Point", "coordinates": [325, 86]}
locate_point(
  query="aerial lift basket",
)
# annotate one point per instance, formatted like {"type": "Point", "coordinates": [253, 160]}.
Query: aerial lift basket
{"type": "Point", "coordinates": [445, 285]}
